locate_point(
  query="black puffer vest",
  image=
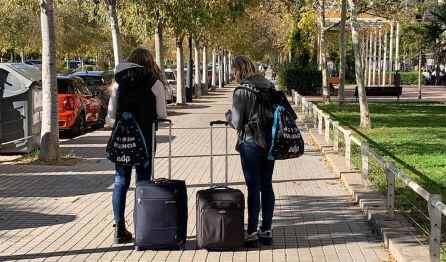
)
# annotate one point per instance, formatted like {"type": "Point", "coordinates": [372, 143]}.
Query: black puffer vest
{"type": "Point", "coordinates": [135, 96]}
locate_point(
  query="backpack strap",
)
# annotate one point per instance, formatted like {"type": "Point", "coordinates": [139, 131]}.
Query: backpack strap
{"type": "Point", "coordinates": [249, 89]}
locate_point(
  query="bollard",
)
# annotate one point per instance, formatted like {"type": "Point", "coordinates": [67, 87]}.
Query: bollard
{"type": "Point", "coordinates": [390, 177]}
{"type": "Point", "coordinates": [327, 129]}
{"type": "Point", "coordinates": [335, 136]}
{"type": "Point", "coordinates": [348, 147]}
{"type": "Point", "coordinates": [435, 216]}
{"type": "Point", "coordinates": [364, 163]}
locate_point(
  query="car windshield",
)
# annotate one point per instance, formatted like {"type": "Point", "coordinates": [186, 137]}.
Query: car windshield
{"type": "Point", "coordinates": [63, 87]}
{"type": "Point", "coordinates": [92, 80]}
{"type": "Point", "coordinates": [170, 75]}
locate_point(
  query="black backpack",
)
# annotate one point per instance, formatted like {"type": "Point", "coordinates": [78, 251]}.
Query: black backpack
{"type": "Point", "coordinates": [275, 128]}
{"type": "Point", "coordinates": [127, 145]}
{"type": "Point", "coordinates": [136, 111]}
{"type": "Point", "coordinates": [287, 141]}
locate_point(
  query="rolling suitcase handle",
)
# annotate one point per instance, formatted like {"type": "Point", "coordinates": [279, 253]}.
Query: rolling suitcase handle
{"type": "Point", "coordinates": [153, 146]}
{"type": "Point", "coordinates": [219, 122]}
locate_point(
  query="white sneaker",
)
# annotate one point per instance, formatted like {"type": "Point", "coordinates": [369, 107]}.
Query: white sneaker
{"type": "Point", "coordinates": [265, 237]}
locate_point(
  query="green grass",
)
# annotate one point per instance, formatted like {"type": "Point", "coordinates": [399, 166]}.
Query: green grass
{"type": "Point", "coordinates": [413, 137]}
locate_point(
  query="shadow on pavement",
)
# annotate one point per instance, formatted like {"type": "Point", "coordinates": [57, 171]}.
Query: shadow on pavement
{"type": "Point", "coordinates": [54, 185]}
{"type": "Point", "coordinates": [19, 219]}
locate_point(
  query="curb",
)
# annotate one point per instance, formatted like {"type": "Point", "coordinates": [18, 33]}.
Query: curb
{"type": "Point", "coordinates": [403, 242]}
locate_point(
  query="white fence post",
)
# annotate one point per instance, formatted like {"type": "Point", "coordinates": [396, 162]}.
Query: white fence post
{"type": "Point", "coordinates": [319, 122]}
{"type": "Point", "coordinates": [315, 116]}
{"type": "Point", "coordinates": [348, 147]}
{"type": "Point", "coordinates": [435, 232]}
{"type": "Point", "coordinates": [390, 190]}
{"type": "Point", "coordinates": [364, 163]}
{"type": "Point", "coordinates": [327, 129]}
{"type": "Point", "coordinates": [335, 136]}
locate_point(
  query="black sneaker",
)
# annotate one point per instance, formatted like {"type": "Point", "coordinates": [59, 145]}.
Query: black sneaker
{"type": "Point", "coordinates": [265, 237]}
{"type": "Point", "coordinates": [251, 240]}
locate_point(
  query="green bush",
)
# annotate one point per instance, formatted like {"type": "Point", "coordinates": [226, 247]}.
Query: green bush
{"type": "Point", "coordinates": [305, 80]}
{"type": "Point", "coordinates": [410, 78]}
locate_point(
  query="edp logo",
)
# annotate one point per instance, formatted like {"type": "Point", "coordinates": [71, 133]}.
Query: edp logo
{"type": "Point", "coordinates": [293, 149]}
{"type": "Point", "coordinates": [123, 158]}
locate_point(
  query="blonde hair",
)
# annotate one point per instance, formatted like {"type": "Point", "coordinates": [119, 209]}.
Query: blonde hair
{"type": "Point", "coordinates": [244, 66]}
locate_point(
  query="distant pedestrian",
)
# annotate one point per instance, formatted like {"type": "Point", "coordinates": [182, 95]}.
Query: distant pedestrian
{"type": "Point", "coordinates": [143, 95]}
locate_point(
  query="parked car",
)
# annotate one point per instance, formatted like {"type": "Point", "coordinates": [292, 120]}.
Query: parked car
{"type": "Point", "coordinates": [78, 107]}
{"type": "Point", "coordinates": [171, 78]}
{"type": "Point", "coordinates": [35, 63]}
{"type": "Point", "coordinates": [98, 81]}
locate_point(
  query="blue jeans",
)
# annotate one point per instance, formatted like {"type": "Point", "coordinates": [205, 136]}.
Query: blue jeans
{"type": "Point", "coordinates": [258, 172]}
{"type": "Point", "coordinates": [122, 182]}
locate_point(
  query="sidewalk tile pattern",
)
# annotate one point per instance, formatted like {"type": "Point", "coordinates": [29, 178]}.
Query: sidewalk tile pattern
{"type": "Point", "coordinates": [65, 213]}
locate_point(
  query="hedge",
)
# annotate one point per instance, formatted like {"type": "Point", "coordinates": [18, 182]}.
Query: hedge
{"type": "Point", "coordinates": [410, 78]}
{"type": "Point", "coordinates": [304, 80]}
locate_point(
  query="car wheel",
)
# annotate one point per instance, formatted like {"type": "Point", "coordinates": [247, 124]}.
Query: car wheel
{"type": "Point", "coordinates": [101, 120]}
{"type": "Point", "coordinates": [79, 126]}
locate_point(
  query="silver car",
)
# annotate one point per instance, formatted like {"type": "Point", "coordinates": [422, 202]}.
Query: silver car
{"type": "Point", "coordinates": [171, 79]}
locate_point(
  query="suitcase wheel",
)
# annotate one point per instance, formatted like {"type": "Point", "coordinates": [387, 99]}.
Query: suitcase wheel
{"type": "Point", "coordinates": [137, 248]}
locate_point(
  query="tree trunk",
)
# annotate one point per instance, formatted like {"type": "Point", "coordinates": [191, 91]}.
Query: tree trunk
{"type": "Point", "coordinates": [364, 109]}
{"type": "Point", "coordinates": [225, 67]}
{"type": "Point", "coordinates": [181, 87]}
{"type": "Point", "coordinates": [342, 51]}
{"type": "Point", "coordinates": [220, 71]}
{"type": "Point", "coordinates": [205, 70]}
{"type": "Point", "coordinates": [228, 68]}
{"type": "Point", "coordinates": [49, 144]}
{"type": "Point", "coordinates": [325, 90]}
{"type": "Point", "coordinates": [116, 35]}
{"type": "Point", "coordinates": [22, 54]}
{"type": "Point", "coordinates": [197, 67]}
{"type": "Point", "coordinates": [159, 50]}
{"type": "Point", "coordinates": [420, 60]}
{"type": "Point", "coordinates": [214, 54]}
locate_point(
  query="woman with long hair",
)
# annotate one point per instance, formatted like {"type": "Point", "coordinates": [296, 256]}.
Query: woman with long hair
{"type": "Point", "coordinates": [257, 168]}
{"type": "Point", "coordinates": [146, 101]}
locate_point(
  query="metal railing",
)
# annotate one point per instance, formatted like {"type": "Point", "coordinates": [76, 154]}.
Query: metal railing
{"type": "Point", "coordinates": [332, 130]}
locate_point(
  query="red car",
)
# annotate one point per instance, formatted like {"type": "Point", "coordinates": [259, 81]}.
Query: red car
{"type": "Point", "coordinates": [78, 107]}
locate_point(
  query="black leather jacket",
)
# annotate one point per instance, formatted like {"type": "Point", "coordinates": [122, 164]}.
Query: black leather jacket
{"type": "Point", "coordinates": [244, 105]}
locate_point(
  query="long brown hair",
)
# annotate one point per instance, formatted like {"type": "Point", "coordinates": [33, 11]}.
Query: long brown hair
{"type": "Point", "coordinates": [142, 57]}
{"type": "Point", "coordinates": [244, 67]}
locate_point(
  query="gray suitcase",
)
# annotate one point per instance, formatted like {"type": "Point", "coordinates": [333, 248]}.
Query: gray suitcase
{"type": "Point", "coordinates": [220, 211]}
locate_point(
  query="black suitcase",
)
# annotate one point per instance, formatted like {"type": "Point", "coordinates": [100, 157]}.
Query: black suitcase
{"type": "Point", "coordinates": [220, 211]}
{"type": "Point", "coordinates": [160, 214]}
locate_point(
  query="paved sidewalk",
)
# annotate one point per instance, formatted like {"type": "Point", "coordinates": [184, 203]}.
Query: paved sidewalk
{"type": "Point", "coordinates": [65, 213]}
